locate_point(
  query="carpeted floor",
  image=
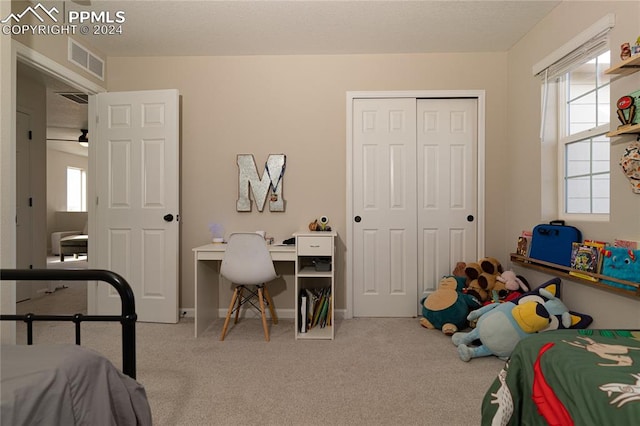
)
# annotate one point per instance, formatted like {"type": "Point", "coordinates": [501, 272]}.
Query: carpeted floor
{"type": "Point", "coordinates": [377, 371]}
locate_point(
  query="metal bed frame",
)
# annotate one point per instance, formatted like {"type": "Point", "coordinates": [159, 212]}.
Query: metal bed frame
{"type": "Point", "coordinates": [127, 318]}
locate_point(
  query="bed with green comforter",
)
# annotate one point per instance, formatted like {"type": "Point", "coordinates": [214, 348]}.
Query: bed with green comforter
{"type": "Point", "coordinates": [567, 377]}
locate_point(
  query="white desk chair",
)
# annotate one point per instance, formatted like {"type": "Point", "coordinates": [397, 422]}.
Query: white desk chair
{"type": "Point", "coordinates": [247, 262]}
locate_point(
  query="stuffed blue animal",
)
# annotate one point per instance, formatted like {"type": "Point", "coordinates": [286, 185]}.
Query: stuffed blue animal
{"type": "Point", "coordinates": [621, 263]}
{"type": "Point", "coordinates": [447, 308]}
{"type": "Point", "coordinates": [502, 325]}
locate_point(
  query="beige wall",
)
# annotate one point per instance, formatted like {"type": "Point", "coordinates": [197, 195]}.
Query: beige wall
{"type": "Point", "coordinates": [296, 105]}
{"type": "Point", "coordinates": [55, 47]}
{"type": "Point", "coordinates": [7, 181]}
{"type": "Point", "coordinates": [523, 157]}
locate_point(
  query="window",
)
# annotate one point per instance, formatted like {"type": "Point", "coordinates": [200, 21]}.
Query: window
{"type": "Point", "coordinates": [583, 122]}
{"type": "Point", "coordinates": [574, 121]}
{"type": "Point", "coordinates": [76, 190]}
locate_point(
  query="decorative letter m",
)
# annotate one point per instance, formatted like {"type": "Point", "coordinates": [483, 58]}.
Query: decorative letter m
{"type": "Point", "coordinates": [271, 180]}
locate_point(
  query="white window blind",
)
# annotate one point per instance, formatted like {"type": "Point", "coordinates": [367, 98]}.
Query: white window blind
{"type": "Point", "coordinates": [585, 46]}
{"type": "Point", "coordinates": [578, 56]}
{"type": "Point", "coordinates": [587, 39]}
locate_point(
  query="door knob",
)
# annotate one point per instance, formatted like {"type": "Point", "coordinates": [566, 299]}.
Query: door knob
{"type": "Point", "coordinates": [357, 219]}
{"type": "Point", "coordinates": [470, 218]}
{"type": "Point", "coordinates": [168, 217]}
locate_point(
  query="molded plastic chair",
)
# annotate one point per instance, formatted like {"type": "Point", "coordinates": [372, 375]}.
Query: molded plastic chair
{"type": "Point", "coordinates": [247, 263]}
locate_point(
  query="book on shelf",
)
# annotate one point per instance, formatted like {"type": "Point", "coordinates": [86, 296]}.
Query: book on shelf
{"type": "Point", "coordinates": [630, 244]}
{"type": "Point", "coordinates": [318, 313]}
{"type": "Point", "coordinates": [303, 312]}
{"type": "Point", "coordinates": [524, 243]}
{"type": "Point", "coordinates": [586, 257]}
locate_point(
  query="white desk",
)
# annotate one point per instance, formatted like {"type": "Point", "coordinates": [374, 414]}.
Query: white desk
{"type": "Point", "coordinates": [207, 277]}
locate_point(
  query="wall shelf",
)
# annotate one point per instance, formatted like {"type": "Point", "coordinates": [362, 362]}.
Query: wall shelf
{"type": "Point", "coordinates": [626, 67]}
{"type": "Point", "coordinates": [563, 271]}
{"type": "Point", "coordinates": [628, 130]}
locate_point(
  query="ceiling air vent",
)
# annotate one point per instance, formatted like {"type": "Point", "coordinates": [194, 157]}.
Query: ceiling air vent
{"type": "Point", "coordinates": [85, 59]}
{"type": "Point", "coordinates": [79, 98]}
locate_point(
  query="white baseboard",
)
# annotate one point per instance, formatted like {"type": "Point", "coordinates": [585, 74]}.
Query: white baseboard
{"type": "Point", "coordinates": [250, 313]}
{"type": "Point", "coordinates": [282, 313]}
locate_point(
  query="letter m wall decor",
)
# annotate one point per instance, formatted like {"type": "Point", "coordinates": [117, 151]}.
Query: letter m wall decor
{"type": "Point", "coordinates": [271, 181]}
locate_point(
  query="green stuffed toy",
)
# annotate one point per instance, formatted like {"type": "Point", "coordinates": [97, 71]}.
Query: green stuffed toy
{"type": "Point", "coordinates": [447, 308]}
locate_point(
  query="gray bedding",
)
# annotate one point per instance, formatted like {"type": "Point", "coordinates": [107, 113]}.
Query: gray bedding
{"type": "Point", "coordinates": [67, 385]}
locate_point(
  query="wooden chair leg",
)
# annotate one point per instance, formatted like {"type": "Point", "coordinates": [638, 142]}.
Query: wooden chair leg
{"type": "Point", "coordinates": [274, 316]}
{"type": "Point", "coordinates": [264, 317]}
{"type": "Point", "coordinates": [226, 321]}
{"type": "Point", "coordinates": [239, 303]}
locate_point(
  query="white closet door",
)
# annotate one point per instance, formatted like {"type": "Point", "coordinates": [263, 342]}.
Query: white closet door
{"type": "Point", "coordinates": [384, 188]}
{"type": "Point", "coordinates": [415, 198]}
{"type": "Point", "coordinates": [447, 195]}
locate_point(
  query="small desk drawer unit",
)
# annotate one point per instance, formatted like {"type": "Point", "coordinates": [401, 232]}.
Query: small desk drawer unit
{"type": "Point", "coordinates": [315, 246]}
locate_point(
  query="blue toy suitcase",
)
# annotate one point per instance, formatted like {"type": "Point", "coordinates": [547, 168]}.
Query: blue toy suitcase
{"type": "Point", "coordinates": [552, 242]}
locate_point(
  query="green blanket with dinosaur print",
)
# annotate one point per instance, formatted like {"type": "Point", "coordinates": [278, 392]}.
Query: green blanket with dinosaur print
{"type": "Point", "coordinates": [568, 377]}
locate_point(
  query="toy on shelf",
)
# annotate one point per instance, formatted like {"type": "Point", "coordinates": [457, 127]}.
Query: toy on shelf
{"type": "Point", "coordinates": [626, 104]}
{"type": "Point", "coordinates": [625, 51]}
{"type": "Point", "coordinates": [320, 225]}
{"type": "Point", "coordinates": [621, 263]}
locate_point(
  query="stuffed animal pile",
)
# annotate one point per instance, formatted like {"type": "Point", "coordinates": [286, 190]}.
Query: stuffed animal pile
{"type": "Point", "coordinates": [468, 288]}
{"type": "Point", "coordinates": [500, 326]}
{"type": "Point", "coordinates": [498, 307]}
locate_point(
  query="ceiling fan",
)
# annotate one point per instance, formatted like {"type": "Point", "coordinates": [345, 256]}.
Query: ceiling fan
{"type": "Point", "coordinates": [68, 135]}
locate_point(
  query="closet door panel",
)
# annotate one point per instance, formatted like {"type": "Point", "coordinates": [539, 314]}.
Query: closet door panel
{"type": "Point", "coordinates": [384, 188]}
{"type": "Point", "coordinates": [447, 200]}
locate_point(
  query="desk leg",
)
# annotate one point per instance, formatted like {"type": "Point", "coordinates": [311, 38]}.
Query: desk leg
{"type": "Point", "coordinates": [207, 278]}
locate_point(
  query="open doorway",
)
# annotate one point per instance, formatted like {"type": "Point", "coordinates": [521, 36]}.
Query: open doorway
{"type": "Point", "coordinates": [60, 154]}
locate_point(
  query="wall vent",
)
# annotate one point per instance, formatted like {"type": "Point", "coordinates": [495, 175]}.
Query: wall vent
{"type": "Point", "coordinates": [77, 97]}
{"type": "Point", "coordinates": [85, 59]}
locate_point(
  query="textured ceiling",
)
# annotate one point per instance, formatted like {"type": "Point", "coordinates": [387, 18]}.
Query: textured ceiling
{"type": "Point", "coordinates": [269, 27]}
{"type": "Point", "coordinates": [195, 28]}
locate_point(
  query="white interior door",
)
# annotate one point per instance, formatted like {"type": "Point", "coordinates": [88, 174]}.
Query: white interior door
{"type": "Point", "coordinates": [415, 200]}
{"type": "Point", "coordinates": [447, 195]}
{"type": "Point", "coordinates": [384, 199]}
{"type": "Point", "coordinates": [137, 195]}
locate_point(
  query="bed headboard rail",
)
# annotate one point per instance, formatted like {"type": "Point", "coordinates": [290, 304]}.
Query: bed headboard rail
{"type": "Point", "coordinates": [127, 318]}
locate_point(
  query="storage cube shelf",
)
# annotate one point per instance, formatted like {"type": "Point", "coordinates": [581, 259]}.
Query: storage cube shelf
{"type": "Point", "coordinates": [313, 251]}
